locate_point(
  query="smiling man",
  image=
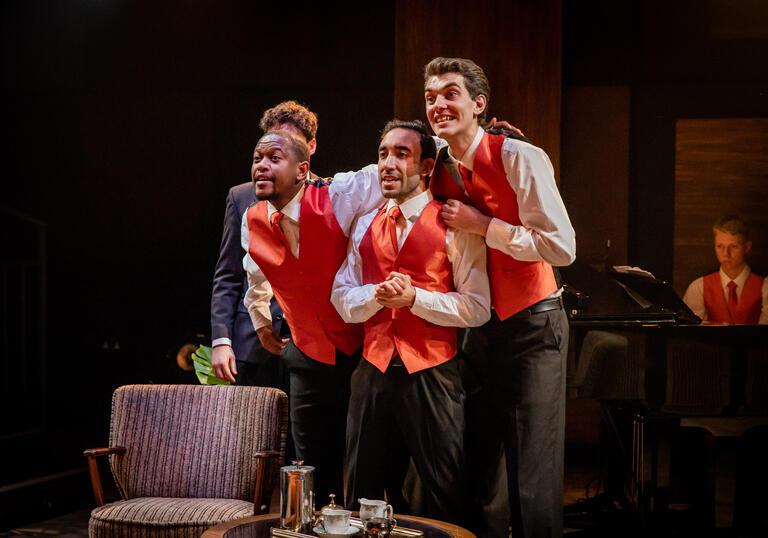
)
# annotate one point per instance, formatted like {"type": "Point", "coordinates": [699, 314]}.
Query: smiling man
{"type": "Point", "coordinates": [733, 294]}
{"type": "Point", "coordinates": [296, 238]}
{"type": "Point", "coordinates": [503, 190]}
{"type": "Point", "coordinates": [413, 282]}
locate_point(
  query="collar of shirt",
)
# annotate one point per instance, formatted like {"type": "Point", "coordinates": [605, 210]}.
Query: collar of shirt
{"type": "Point", "coordinates": [291, 210]}
{"type": "Point", "coordinates": [468, 159]}
{"type": "Point", "coordinates": [412, 207]}
{"type": "Point", "coordinates": [739, 280]}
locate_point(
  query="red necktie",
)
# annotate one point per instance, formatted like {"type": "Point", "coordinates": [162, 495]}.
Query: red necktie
{"type": "Point", "coordinates": [276, 218]}
{"type": "Point", "coordinates": [732, 299]}
{"type": "Point", "coordinates": [392, 224]}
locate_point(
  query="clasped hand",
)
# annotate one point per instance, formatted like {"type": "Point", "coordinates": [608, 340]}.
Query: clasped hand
{"type": "Point", "coordinates": [396, 291]}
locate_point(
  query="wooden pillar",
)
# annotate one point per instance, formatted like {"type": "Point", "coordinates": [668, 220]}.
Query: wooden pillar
{"type": "Point", "coordinates": [518, 44]}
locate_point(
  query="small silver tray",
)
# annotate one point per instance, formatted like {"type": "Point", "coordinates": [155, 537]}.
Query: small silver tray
{"type": "Point", "coordinates": [404, 532]}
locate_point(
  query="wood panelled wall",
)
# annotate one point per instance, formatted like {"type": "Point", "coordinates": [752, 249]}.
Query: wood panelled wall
{"type": "Point", "coordinates": [517, 43]}
{"type": "Point", "coordinates": [595, 171]}
{"type": "Point", "coordinates": [721, 168]}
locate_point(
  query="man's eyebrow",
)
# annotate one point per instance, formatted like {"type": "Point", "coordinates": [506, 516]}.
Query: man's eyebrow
{"type": "Point", "coordinates": [446, 85]}
{"type": "Point", "coordinates": [406, 148]}
{"type": "Point", "coordinates": [266, 148]}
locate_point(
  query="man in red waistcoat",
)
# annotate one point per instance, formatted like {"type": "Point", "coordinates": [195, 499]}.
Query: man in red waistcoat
{"type": "Point", "coordinates": [296, 238]}
{"type": "Point", "coordinates": [733, 294]}
{"type": "Point", "coordinates": [503, 189]}
{"type": "Point", "coordinates": [412, 281]}
{"type": "Point", "coordinates": [238, 356]}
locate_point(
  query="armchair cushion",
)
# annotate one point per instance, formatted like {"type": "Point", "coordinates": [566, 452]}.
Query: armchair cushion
{"type": "Point", "coordinates": [164, 516]}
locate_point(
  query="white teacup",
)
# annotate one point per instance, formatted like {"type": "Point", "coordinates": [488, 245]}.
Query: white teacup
{"type": "Point", "coordinates": [369, 509]}
{"type": "Point", "coordinates": [336, 520]}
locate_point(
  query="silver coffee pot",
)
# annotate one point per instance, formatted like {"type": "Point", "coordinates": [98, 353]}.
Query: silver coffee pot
{"type": "Point", "coordinates": [297, 497]}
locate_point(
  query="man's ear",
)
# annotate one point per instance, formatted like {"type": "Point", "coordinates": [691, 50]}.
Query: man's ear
{"type": "Point", "coordinates": [312, 146]}
{"type": "Point", "coordinates": [747, 246]}
{"type": "Point", "coordinates": [427, 165]}
{"type": "Point", "coordinates": [480, 104]}
{"type": "Point", "coordinates": [303, 170]}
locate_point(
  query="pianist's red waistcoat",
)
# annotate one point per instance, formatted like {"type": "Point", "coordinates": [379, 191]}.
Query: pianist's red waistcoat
{"type": "Point", "coordinates": [515, 284]}
{"type": "Point", "coordinates": [423, 257]}
{"type": "Point", "coordinates": [749, 305]}
{"type": "Point", "coordinates": [303, 286]}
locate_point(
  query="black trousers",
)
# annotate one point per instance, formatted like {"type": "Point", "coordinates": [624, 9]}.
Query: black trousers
{"type": "Point", "coordinates": [262, 369]}
{"type": "Point", "coordinates": [266, 374]}
{"type": "Point", "coordinates": [319, 396]}
{"type": "Point", "coordinates": [519, 410]}
{"type": "Point", "coordinates": [394, 416]}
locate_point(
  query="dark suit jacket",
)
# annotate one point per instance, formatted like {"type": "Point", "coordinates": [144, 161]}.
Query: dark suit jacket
{"type": "Point", "coordinates": [229, 318]}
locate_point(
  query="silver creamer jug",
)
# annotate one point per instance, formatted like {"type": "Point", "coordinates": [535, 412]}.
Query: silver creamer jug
{"type": "Point", "coordinates": [297, 496]}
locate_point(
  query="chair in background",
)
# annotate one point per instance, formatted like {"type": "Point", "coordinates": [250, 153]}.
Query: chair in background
{"type": "Point", "coordinates": [188, 457]}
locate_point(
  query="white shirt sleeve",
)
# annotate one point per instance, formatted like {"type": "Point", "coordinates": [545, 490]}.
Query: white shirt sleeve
{"type": "Point", "coordinates": [546, 233]}
{"type": "Point", "coordinates": [694, 298]}
{"type": "Point", "coordinates": [354, 194]}
{"type": "Point", "coordinates": [259, 293]}
{"type": "Point", "coordinates": [470, 304]}
{"type": "Point", "coordinates": [354, 301]}
{"type": "Point", "coordinates": [764, 311]}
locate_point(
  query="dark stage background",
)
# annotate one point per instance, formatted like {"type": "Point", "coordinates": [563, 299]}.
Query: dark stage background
{"type": "Point", "coordinates": [125, 123]}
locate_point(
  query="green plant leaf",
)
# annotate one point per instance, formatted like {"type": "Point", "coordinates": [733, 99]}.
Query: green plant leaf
{"type": "Point", "coordinates": [204, 368]}
{"type": "Point", "coordinates": [210, 379]}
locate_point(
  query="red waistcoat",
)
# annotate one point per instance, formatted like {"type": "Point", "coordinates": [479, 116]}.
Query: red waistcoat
{"type": "Point", "coordinates": [303, 286]}
{"type": "Point", "coordinates": [515, 284]}
{"type": "Point", "coordinates": [749, 305]}
{"type": "Point", "coordinates": [423, 257]}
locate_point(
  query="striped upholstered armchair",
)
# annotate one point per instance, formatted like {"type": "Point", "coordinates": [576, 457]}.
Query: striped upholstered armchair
{"type": "Point", "coordinates": [187, 457]}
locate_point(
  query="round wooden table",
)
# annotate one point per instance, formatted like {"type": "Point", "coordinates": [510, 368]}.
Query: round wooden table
{"type": "Point", "coordinates": [258, 527]}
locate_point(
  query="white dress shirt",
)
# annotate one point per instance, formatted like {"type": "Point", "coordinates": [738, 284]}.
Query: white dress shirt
{"type": "Point", "coordinates": [546, 233]}
{"type": "Point", "coordinates": [351, 194]}
{"type": "Point", "coordinates": [694, 295]}
{"type": "Point", "coordinates": [468, 306]}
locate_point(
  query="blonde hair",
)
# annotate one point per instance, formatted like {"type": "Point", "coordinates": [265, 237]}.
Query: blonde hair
{"type": "Point", "coordinates": [733, 225]}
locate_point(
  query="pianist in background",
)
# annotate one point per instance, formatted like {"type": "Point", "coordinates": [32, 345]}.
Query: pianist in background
{"type": "Point", "coordinates": [733, 294]}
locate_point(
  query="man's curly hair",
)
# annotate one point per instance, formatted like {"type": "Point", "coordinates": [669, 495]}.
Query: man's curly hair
{"type": "Point", "coordinates": [291, 112]}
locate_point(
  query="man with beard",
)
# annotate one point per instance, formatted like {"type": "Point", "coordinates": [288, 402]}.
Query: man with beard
{"type": "Point", "coordinates": [413, 282]}
{"type": "Point", "coordinates": [296, 238]}
{"type": "Point", "coordinates": [238, 356]}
